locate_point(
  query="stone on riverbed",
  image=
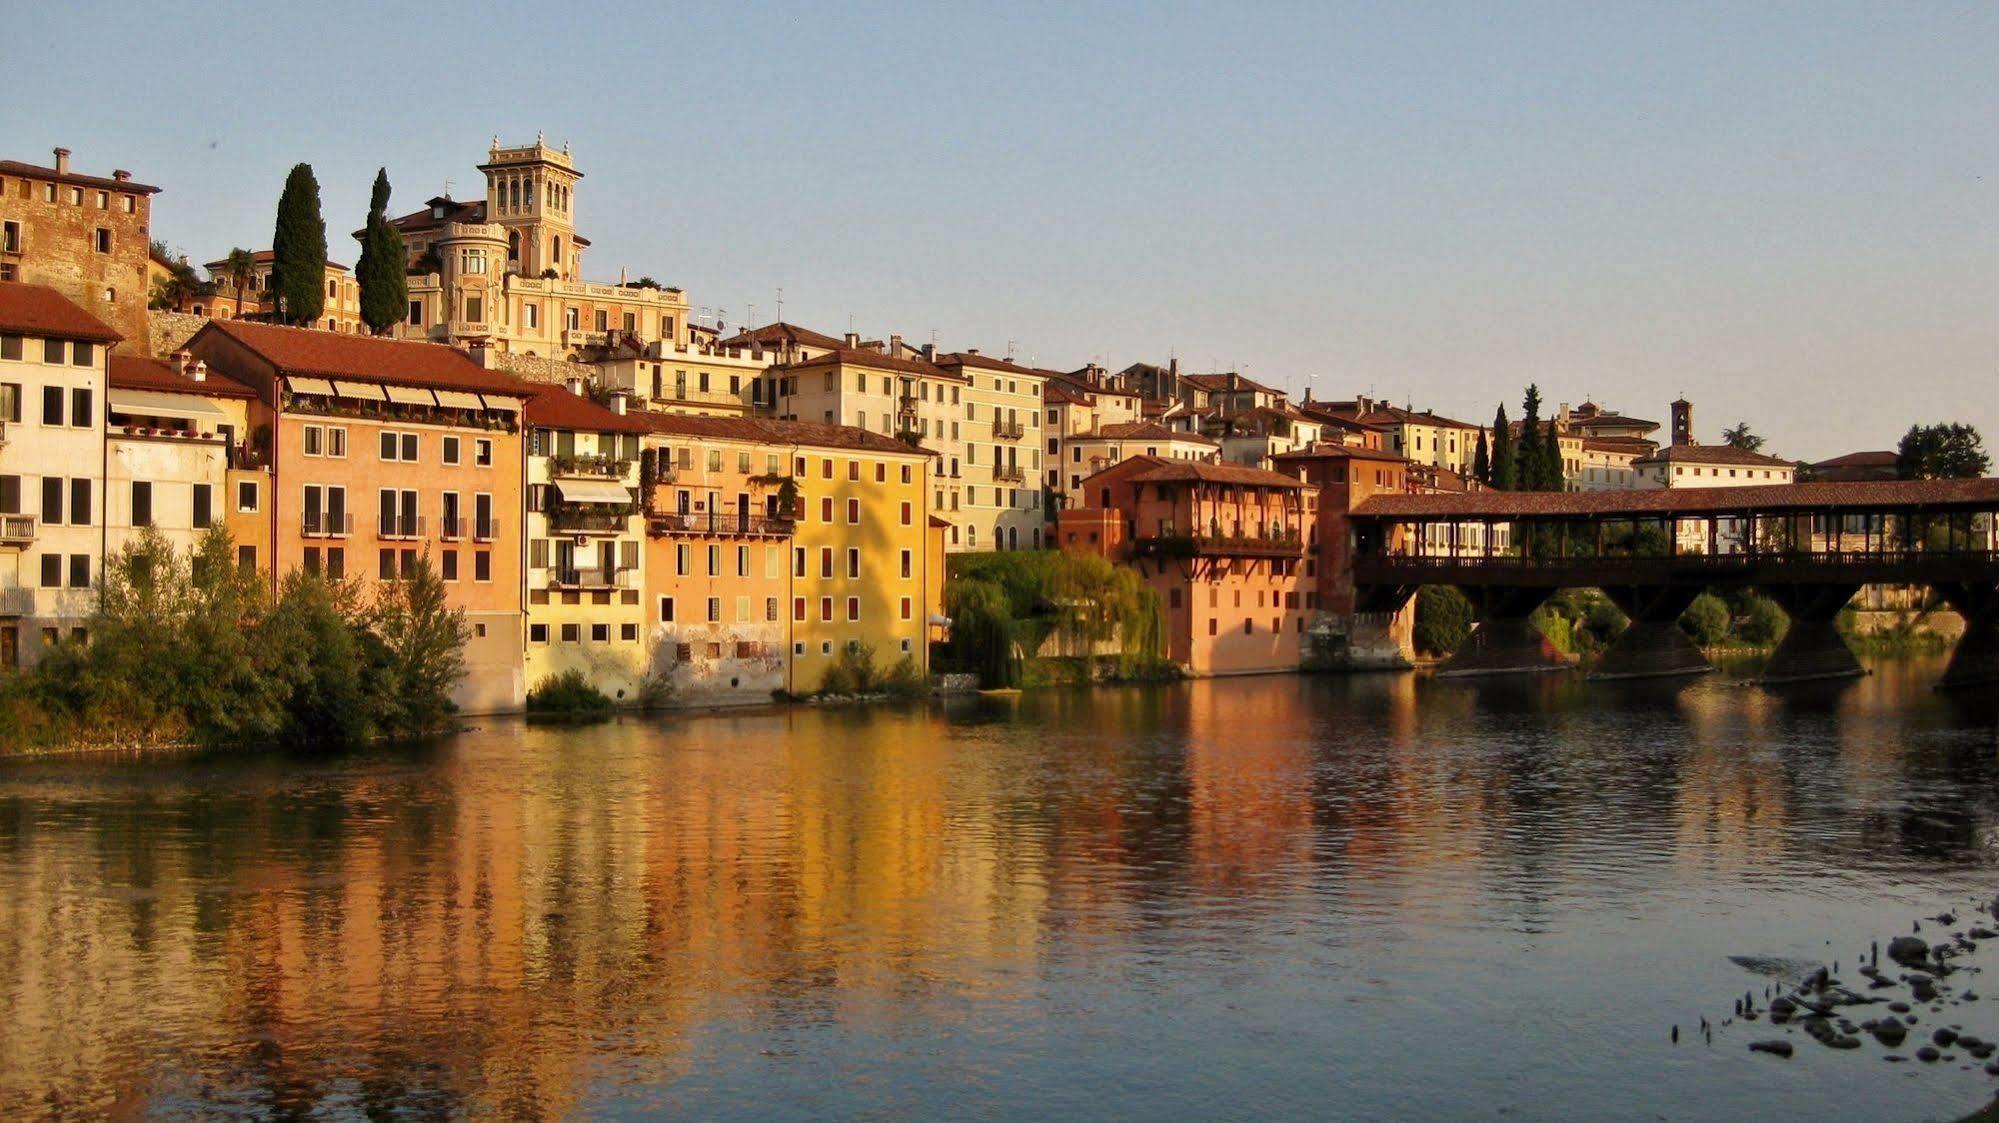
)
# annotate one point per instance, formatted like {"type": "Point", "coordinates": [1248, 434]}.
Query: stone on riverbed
{"type": "Point", "coordinates": [1944, 1035]}
{"type": "Point", "coordinates": [1774, 1048]}
{"type": "Point", "coordinates": [1928, 1054]}
{"type": "Point", "coordinates": [1889, 1032]}
{"type": "Point", "coordinates": [1909, 951]}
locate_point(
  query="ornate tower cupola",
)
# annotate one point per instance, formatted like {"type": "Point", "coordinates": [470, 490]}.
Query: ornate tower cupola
{"type": "Point", "coordinates": [531, 191]}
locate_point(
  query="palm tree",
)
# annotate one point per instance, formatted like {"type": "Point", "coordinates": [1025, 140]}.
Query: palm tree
{"type": "Point", "coordinates": [239, 266]}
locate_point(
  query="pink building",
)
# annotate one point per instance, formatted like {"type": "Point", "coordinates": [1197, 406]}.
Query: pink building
{"type": "Point", "coordinates": [1230, 550]}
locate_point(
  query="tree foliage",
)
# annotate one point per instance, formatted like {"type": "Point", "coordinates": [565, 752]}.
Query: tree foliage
{"type": "Point", "coordinates": [1706, 620]}
{"type": "Point", "coordinates": [1443, 619]}
{"type": "Point", "coordinates": [1505, 466]}
{"type": "Point", "coordinates": [1945, 451]}
{"type": "Point", "coordinates": [383, 271]}
{"type": "Point", "coordinates": [1739, 436]}
{"type": "Point", "coordinates": [298, 250]}
{"type": "Point", "coordinates": [1481, 461]}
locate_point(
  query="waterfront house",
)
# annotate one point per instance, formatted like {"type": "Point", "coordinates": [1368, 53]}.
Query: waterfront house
{"type": "Point", "coordinates": [585, 536]}
{"type": "Point", "coordinates": [384, 451]}
{"type": "Point", "coordinates": [1230, 549]}
{"type": "Point", "coordinates": [88, 237]}
{"type": "Point", "coordinates": [176, 440]}
{"type": "Point", "coordinates": [52, 371]}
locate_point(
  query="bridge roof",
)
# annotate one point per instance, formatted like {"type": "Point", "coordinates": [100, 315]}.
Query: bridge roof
{"type": "Point", "coordinates": [1874, 495]}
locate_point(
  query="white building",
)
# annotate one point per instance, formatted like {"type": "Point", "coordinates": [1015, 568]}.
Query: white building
{"type": "Point", "coordinates": [52, 379]}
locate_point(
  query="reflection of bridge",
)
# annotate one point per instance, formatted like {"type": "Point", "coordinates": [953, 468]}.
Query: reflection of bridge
{"type": "Point", "coordinates": [1809, 547]}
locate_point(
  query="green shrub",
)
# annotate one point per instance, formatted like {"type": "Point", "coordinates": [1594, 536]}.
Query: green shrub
{"type": "Point", "coordinates": [906, 680]}
{"type": "Point", "coordinates": [853, 671]}
{"type": "Point", "coordinates": [1443, 619]}
{"type": "Point", "coordinates": [570, 694]}
{"type": "Point", "coordinates": [1763, 624]}
{"type": "Point", "coordinates": [1706, 620]}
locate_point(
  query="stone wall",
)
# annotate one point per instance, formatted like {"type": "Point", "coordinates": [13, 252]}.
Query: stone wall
{"type": "Point", "coordinates": [534, 368]}
{"type": "Point", "coordinates": [168, 332]}
{"type": "Point", "coordinates": [1361, 641]}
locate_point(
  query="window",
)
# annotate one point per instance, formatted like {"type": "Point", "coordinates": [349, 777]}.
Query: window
{"type": "Point", "coordinates": [51, 571]}
{"type": "Point", "coordinates": [905, 514]}
{"type": "Point", "coordinates": [666, 610]}
{"type": "Point", "coordinates": [448, 565]}
{"type": "Point", "coordinates": [853, 512]}
{"type": "Point", "coordinates": [314, 441]}
{"type": "Point", "coordinates": [398, 446]}
{"type": "Point", "coordinates": [826, 608]}
{"type": "Point", "coordinates": [79, 571]}
{"type": "Point", "coordinates": [142, 503]}
{"type": "Point", "coordinates": [416, 316]}
{"type": "Point", "coordinates": [853, 563]}
{"type": "Point", "coordinates": [79, 406]}
{"type": "Point", "coordinates": [714, 610]}
{"type": "Point", "coordinates": [537, 633]}
{"type": "Point", "coordinates": [52, 404]}
{"type": "Point", "coordinates": [907, 564]}
{"type": "Point", "coordinates": [853, 608]}
{"type": "Point", "coordinates": [246, 495]}
{"type": "Point", "coordinates": [336, 441]}
{"type": "Point", "coordinates": [482, 565]}
{"type": "Point", "coordinates": [798, 609]}
{"type": "Point", "coordinates": [600, 633]}
{"type": "Point", "coordinates": [482, 452]}
{"type": "Point", "coordinates": [906, 608]}
{"type": "Point", "coordinates": [101, 240]}
{"type": "Point", "coordinates": [79, 502]}
{"type": "Point", "coordinates": [451, 450]}
{"type": "Point", "coordinates": [572, 633]}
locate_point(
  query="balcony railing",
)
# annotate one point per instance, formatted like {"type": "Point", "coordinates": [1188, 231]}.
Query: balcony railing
{"type": "Point", "coordinates": [16, 530]}
{"type": "Point", "coordinates": [400, 526]}
{"type": "Point", "coordinates": [17, 600]}
{"type": "Point", "coordinates": [609, 467]}
{"type": "Point", "coordinates": [326, 525]}
{"type": "Point", "coordinates": [618, 577]}
{"type": "Point", "coordinates": [1169, 545]}
{"type": "Point", "coordinates": [1008, 430]}
{"type": "Point", "coordinates": [1009, 472]}
{"type": "Point", "coordinates": [486, 530]}
{"type": "Point", "coordinates": [567, 519]}
{"type": "Point", "coordinates": [451, 527]}
{"type": "Point", "coordinates": [719, 523]}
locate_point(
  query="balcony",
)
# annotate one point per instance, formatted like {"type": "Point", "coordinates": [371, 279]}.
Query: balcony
{"type": "Point", "coordinates": [568, 519]}
{"type": "Point", "coordinates": [17, 530]}
{"type": "Point", "coordinates": [1008, 473]}
{"type": "Point", "coordinates": [588, 467]}
{"type": "Point", "coordinates": [1170, 545]}
{"type": "Point", "coordinates": [451, 527]}
{"type": "Point", "coordinates": [719, 523]}
{"type": "Point", "coordinates": [618, 577]}
{"type": "Point", "coordinates": [17, 600]}
{"type": "Point", "coordinates": [326, 525]}
{"type": "Point", "coordinates": [485, 530]}
{"type": "Point", "coordinates": [400, 527]}
{"type": "Point", "coordinates": [1008, 430]}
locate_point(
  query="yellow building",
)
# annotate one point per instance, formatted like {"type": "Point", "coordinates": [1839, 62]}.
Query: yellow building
{"type": "Point", "coordinates": [585, 564]}
{"type": "Point", "coordinates": [177, 450]}
{"type": "Point", "coordinates": [342, 311]}
{"type": "Point", "coordinates": [705, 379]}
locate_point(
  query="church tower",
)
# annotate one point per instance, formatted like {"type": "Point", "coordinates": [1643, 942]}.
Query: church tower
{"type": "Point", "coordinates": [531, 192]}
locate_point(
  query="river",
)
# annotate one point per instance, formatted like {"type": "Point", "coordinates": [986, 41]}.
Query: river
{"type": "Point", "coordinates": [1360, 897]}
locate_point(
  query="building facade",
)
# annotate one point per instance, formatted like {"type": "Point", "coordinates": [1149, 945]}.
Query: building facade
{"type": "Point", "coordinates": [385, 452]}
{"type": "Point", "coordinates": [87, 237]}
{"type": "Point", "coordinates": [171, 435]}
{"type": "Point", "coordinates": [53, 358]}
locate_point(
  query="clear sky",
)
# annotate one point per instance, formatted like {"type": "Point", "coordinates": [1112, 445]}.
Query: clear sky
{"type": "Point", "coordinates": [1789, 212]}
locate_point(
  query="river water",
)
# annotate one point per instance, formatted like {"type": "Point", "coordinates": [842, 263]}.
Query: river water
{"type": "Point", "coordinates": [1362, 897]}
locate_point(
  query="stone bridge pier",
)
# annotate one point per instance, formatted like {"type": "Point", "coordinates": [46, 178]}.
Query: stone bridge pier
{"type": "Point", "coordinates": [1653, 646]}
{"type": "Point", "coordinates": [1975, 660]}
{"type": "Point", "coordinates": [1505, 641]}
{"type": "Point", "coordinates": [1812, 648]}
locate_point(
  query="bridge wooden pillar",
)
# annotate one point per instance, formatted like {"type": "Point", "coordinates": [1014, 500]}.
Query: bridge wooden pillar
{"type": "Point", "coordinates": [1975, 659]}
{"type": "Point", "coordinates": [1812, 648]}
{"type": "Point", "coordinates": [1653, 646]}
{"type": "Point", "coordinates": [1505, 641]}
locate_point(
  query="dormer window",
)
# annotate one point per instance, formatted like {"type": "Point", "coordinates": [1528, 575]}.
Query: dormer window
{"type": "Point", "coordinates": [437, 211]}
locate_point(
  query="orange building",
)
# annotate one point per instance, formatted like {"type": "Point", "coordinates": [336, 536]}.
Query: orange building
{"type": "Point", "coordinates": [385, 451]}
{"type": "Point", "coordinates": [1344, 475]}
{"type": "Point", "coordinates": [1228, 548]}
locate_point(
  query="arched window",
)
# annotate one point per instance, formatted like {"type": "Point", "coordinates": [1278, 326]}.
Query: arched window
{"type": "Point", "coordinates": [555, 250]}
{"type": "Point", "coordinates": [513, 245]}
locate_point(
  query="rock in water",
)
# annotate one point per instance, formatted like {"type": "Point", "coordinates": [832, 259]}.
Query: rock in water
{"type": "Point", "coordinates": [1909, 951]}
{"type": "Point", "coordinates": [1774, 1048]}
{"type": "Point", "coordinates": [1928, 1054]}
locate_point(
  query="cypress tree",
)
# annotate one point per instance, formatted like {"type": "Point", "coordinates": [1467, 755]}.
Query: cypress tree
{"type": "Point", "coordinates": [1481, 462]}
{"type": "Point", "coordinates": [383, 270]}
{"type": "Point", "coordinates": [1530, 469]}
{"type": "Point", "coordinates": [1505, 472]}
{"type": "Point", "coordinates": [298, 250]}
{"type": "Point", "coordinates": [1553, 477]}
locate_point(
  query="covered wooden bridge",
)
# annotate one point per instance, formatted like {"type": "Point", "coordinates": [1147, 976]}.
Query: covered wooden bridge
{"type": "Point", "coordinates": [1809, 547]}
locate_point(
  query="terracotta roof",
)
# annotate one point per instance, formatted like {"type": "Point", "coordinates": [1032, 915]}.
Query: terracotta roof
{"type": "Point", "coordinates": [781, 332]}
{"type": "Point", "coordinates": [266, 257]}
{"type": "Point", "coordinates": [1712, 454]}
{"type": "Point", "coordinates": [365, 358]}
{"type": "Point", "coordinates": [16, 167]}
{"type": "Point", "coordinates": [876, 360]}
{"type": "Point", "coordinates": [1344, 418]}
{"type": "Point", "coordinates": [1164, 470]}
{"type": "Point", "coordinates": [1882, 459]}
{"type": "Point", "coordinates": [1580, 420]}
{"type": "Point", "coordinates": [986, 362]}
{"type": "Point", "coordinates": [765, 431]}
{"type": "Point", "coordinates": [1877, 494]}
{"type": "Point", "coordinates": [1143, 431]}
{"type": "Point", "coordinates": [1636, 445]}
{"type": "Point", "coordinates": [1053, 391]}
{"type": "Point", "coordinates": [454, 211]}
{"type": "Point", "coordinates": [1342, 452]}
{"type": "Point", "coordinates": [131, 372]}
{"type": "Point", "coordinates": [1224, 382]}
{"type": "Point", "coordinates": [40, 310]}
{"type": "Point", "coordinates": [555, 407]}
{"type": "Point", "coordinates": [1395, 415]}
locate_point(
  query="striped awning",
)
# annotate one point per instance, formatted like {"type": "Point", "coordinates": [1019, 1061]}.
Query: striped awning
{"type": "Point", "coordinates": [155, 403]}
{"type": "Point", "coordinates": [302, 385]}
{"type": "Point", "coordinates": [365, 391]}
{"type": "Point", "coordinates": [592, 491]}
{"type": "Point", "coordinates": [410, 395]}
{"type": "Point", "coordinates": [459, 399]}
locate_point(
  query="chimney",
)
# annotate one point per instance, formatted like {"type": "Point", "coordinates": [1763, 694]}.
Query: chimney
{"type": "Point", "coordinates": [971, 350]}
{"type": "Point", "coordinates": [618, 400]}
{"type": "Point", "coordinates": [121, 175]}
{"type": "Point", "coordinates": [480, 351]}
{"type": "Point", "coordinates": [184, 360]}
{"type": "Point", "coordinates": [930, 352]}
{"type": "Point", "coordinates": [853, 339]}
{"type": "Point", "coordinates": [1683, 423]}
{"type": "Point", "coordinates": [895, 346]}
{"type": "Point", "coordinates": [575, 384]}
{"type": "Point", "coordinates": [62, 161]}
{"type": "Point", "coordinates": [200, 371]}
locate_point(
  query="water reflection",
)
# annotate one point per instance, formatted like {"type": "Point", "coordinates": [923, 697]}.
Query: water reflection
{"type": "Point", "coordinates": [1160, 898]}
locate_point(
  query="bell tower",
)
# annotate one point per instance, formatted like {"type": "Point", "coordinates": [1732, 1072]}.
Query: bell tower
{"type": "Point", "coordinates": [531, 192]}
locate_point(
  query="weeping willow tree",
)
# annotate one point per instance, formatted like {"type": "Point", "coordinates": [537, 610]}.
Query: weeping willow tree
{"type": "Point", "coordinates": [1097, 603]}
{"type": "Point", "coordinates": [1002, 606]}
